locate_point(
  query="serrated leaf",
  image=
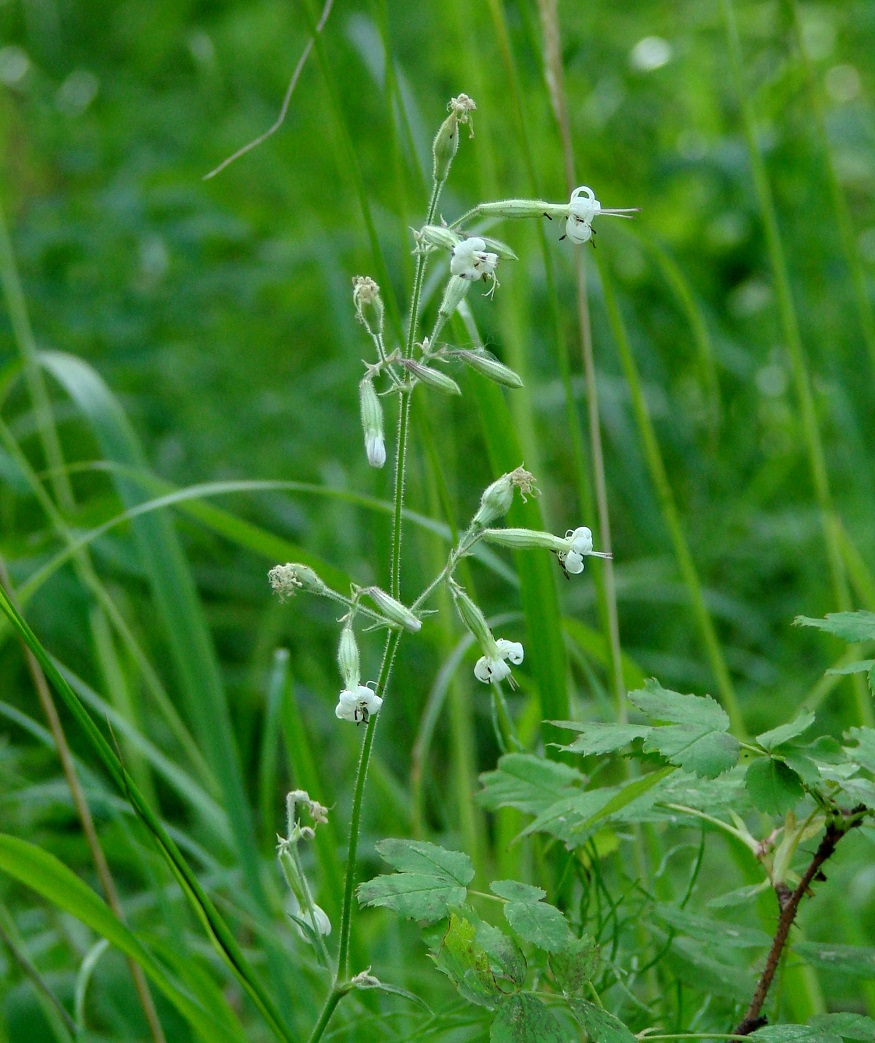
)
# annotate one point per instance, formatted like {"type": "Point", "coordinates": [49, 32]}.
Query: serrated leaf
{"type": "Point", "coordinates": [864, 750]}
{"type": "Point", "coordinates": [527, 782]}
{"type": "Point", "coordinates": [465, 961]}
{"type": "Point", "coordinates": [539, 923]}
{"type": "Point", "coordinates": [794, 1034]}
{"type": "Point", "coordinates": [846, 1025]}
{"type": "Point", "coordinates": [599, 1024]}
{"type": "Point", "coordinates": [697, 738]}
{"type": "Point", "coordinates": [576, 965]}
{"type": "Point", "coordinates": [430, 881]}
{"type": "Point", "coordinates": [849, 626]}
{"type": "Point", "coordinates": [858, 961]}
{"type": "Point", "coordinates": [525, 1019]}
{"type": "Point", "coordinates": [784, 732]}
{"type": "Point", "coordinates": [505, 957]}
{"type": "Point", "coordinates": [418, 856]}
{"type": "Point", "coordinates": [860, 667]}
{"type": "Point", "coordinates": [710, 931]}
{"type": "Point", "coordinates": [801, 763]}
{"type": "Point", "coordinates": [596, 739]}
{"type": "Point", "coordinates": [514, 891]}
{"type": "Point", "coordinates": [773, 786]}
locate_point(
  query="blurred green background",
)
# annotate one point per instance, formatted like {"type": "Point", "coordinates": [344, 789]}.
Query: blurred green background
{"type": "Point", "coordinates": [218, 313]}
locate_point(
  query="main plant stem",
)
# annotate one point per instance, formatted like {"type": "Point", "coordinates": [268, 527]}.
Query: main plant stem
{"type": "Point", "coordinates": [340, 985]}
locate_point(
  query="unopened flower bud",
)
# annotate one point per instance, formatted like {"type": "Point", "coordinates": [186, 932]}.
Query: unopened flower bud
{"type": "Point", "coordinates": [438, 236]}
{"type": "Point", "coordinates": [490, 367]}
{"type": "Point", "coordinates": [288, 579]}
{"type": "Point", "coordinates": [446, 142]}
{"type": "Point", "coordinates": [473, 619]}
{"type": "Point", "coordinates": [525, 539]}
{"type": "Point", "coordinates": [393, 610]}
{"type": "Point", "coordinates": [348, 658]}
{"type": "Point", "coordinates": [372, 423]}
{"type": "Point", "coordinates": [497, 498]}
{"type": "Point", "coordinates": [432, 377]}
{"type": "Point", "coordinates": [368, 303]}
{"type": "Point", "coordinates": [454, 294]}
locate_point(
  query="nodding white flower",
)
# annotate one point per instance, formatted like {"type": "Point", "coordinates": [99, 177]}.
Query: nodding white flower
{"type": "Point", "coordinates": [471, 260]}
{"type": "Point", "coordinates": [375, 449]}
{"type": "Point", "coordinates": [372, 423]}
{"type": "Point", "coordinates": [578, 545]}
{"type": "Point", "coordinates": [582, 208]}
{"type": "Point", "coordinates": [315, 916]}
{"type": "Point", "coordinates": [490, 669]}
{"type": "Point", "coordinates": [358, 705]}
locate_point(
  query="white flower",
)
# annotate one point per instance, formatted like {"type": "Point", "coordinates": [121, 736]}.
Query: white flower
{"type": "Point", "coordinates": [471, 260]}
{"type": "Point", "coordinates": [358, 706]}
{"type": "Point", "coordinates": [582, 208]}
{"type": "Point", "coordinates": [578, 545]}
{"type": "Point", "coordinates": [316, 916]}
{"type": "Point", "coordinates": [491, 669]}
{"type": "Point", "coordinates": [375, 448]}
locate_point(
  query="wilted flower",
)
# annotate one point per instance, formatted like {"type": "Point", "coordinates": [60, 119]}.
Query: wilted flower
{"type": "Point", "coordinates": [288, 579]}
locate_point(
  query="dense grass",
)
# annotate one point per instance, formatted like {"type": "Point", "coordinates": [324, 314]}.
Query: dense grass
{"type": "Point", "coordinates": [160, 333]}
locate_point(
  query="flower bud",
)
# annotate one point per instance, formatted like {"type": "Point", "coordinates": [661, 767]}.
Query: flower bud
{"type": "Point", "coordinates": [432, 377]}
{"type": "Point", "coordinates": [393, 610]}
{"type": "Point", "coordinates": [454, 294]}
{"type": "Point", "coordinates": [446, 142]}
{"type": "Point", "coordinates": [497, 498]}
{"type": "Point", "coordinates": [523, 208]}
{"type": "Point", "coordinates": [368, 303]}
{"type": "Point", "coordinates": [288, 579]}
{"type": "Point", "coordinates": [525, 539]}
{"type": "Point", "coordinates": [438, 236]}
{"type": "Point", "coordinates": [372, 423]}
{"type": "Point", "coordinates": [490, 367]}
{"type": "Point", "coordinates": [348, 658]}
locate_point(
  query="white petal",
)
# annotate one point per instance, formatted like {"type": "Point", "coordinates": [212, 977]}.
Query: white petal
{"type": "Point", "coordinates": [346, 708]}
{"type": "Point", "coordinates": [483, 669]}
{"type": "Point", "coordinates": [368, 700]}
{"type": "Point", "coordinates": [578, 230]}
{"type": "Point", "coordinates": [511, 650]}
{"type": "Point", "coordinates": [581, 541]}
{"type": "Point", "coordinates": [573, 563]}
{"type": "Point", "coordinates": [375, 448]}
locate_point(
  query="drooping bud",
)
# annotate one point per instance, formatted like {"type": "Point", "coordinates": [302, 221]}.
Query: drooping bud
{"type": "Point", "coordinates": [368, 303]}
{"type": "Point", "coordinates": [348, 658]}
{"type": "Point", "coordinates": [497, 498]}
{"type": "Point", "coordinates": [526, 539]}
{"type": "Point", "coordinates": [473, 619]}
{"type": "Point", "coordinates": [454, 294]}
{"type": "Point", "coordinates": [288, 579]}
{"type": "Point", "coordinates": [438, 236]}
{"type": "Point", "coordinates": [490, 367]}
{"type": "Point", "coordinates": [372, 423]}
{"type": "Point", "coordinates": [432, 377]}
{"type": "Point", "coordinates": [393, 610]}
{"type": "Point", "coordinates": [446, 142]}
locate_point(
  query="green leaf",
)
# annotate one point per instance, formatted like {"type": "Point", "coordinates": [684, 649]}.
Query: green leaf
{"type": "Point", "coordinates": [711, 932]}
{"type": "Point", "coordinates": [595, 739]}
{"type": "Point", "coordinates": [769, 740]}
{"type": "Point", "coordinates": [599, 1024]}
{"type": "Point", "coordinates": [418, 856]}
{"type": "Point", "coordinates": [528, 783]}
{"type": "Point", "coordinates": [849, 626]}
{"type": "Point", "coordinates": [631, 793]}
{"type": "Point", "coordinates": [864, 750]}
{"type": "Point", "coordinates": [525, 1019]}
{"type": "Point", "coordinates": [857, 961]}
{"type": "Point", "coordinates": [847, 1025]}
{"type": "Point", "coordinates": [430, 881]}
{"type": "Point", "coordinates": [576, 965]}
{"type": "Point", "coordinates": [794, 1034]}
{"type": "Point", "coordinates": [860, 667]}
{"type": "Point", "coordinates": [514, 891]}
{"type": "Point", "coordinates": [505, 957]}
{"type": "Point", "coordinates": [773, 786]}
{"type": "Point", "coordinates": [533, 920]}
{"type": "Point", "coordinates": [466, 963]}
{"type": "Point", "coordinates": [801, 763]}
{"type": "Point", "coordinates": [697, 739]}
{"type": "Point", "coordinates": [50, 878]}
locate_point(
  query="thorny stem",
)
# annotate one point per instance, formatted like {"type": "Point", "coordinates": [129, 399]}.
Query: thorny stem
{"type": "Point", "coordinates": [788, 903]}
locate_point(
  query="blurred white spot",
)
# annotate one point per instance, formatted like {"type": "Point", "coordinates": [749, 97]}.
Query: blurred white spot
{"type": "Point", "coordinates": [201, 48]}
{"type": "Point", "coordinates": [818, 36]}
{"type": "Point", "coordinates": [842, 82]}
{"type": "Point", "coordinates": [14, 64]}
{"type": "Point", "coordinates": [154, 259]}
{"type": "Point", "coordinates": [650, 53]}
{"type": "Point", "coordinates": [771, 380]}
{"type": "Point", "coordinates": [604, 100]}
{"type": "Point", "coordinates": [77, 92]}
{"type": "Point", "coordinates": [728, 229]}
{"type": "Point", "coordinates": [866, 242]}
{"type": "Point", "coordinates": [748, 298]}
{"type": "Point", "coordinates": [692, 144]}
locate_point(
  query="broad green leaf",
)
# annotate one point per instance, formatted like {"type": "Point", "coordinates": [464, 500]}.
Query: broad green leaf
{"type": "Point", "coordinates": [847, 1025]}
{"type": "Point", "coordinates": [418, 896]}
{"type": "Point", "coordinates": [855, 960]}
{"type": "Point", "coordinates": [539, 923]}
{"type": "Point", "coordinates": [801, 763]}
{"type": "Point", "coordinates": [849, 626]}
{"type": "Point", "coordinates": [525, 1019]}
{"type": "Point", "coordinates": [576, 965]}
{"type": "Point", "coordinates": [697, 738]}
{"type": "Point", "coordinates": [50, 878]}
{"type": "Point", "coordinates": [794, 1034]}
{"type": "Point", "coordinates": [769, 740]}
{"type": "Point", "coordinates": [773, 786]}
{"type": "Point", "coordinates": [418, 856]}
{"type": "Point", "coordinates": [862, 666]}
{"type": "Point", "coordinates": [863, 752]}
{"type": "Point", "coordinates": [505, 958]}
{"type": "Point", "coordinates": [528, 783]}
{"type": "Point", "coordinates": [600, 1025]}
{"type": "Point", "coordinates": [466, 962]}
{"type": "Point", "coordinates": [597, 739]}
{"type": "Point", "coordinates": [514, 891]}
{"type": "Point", "coordinates": [711, 932]}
